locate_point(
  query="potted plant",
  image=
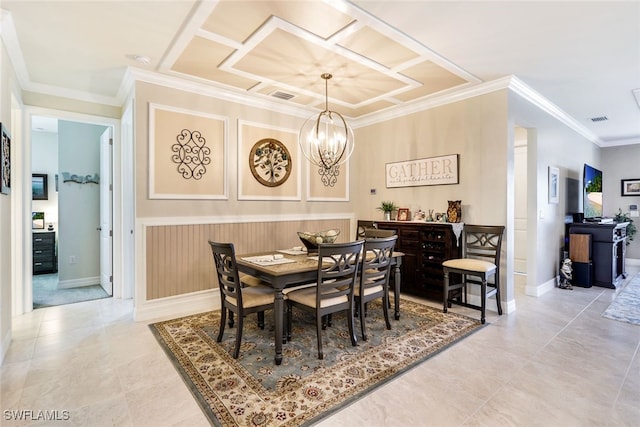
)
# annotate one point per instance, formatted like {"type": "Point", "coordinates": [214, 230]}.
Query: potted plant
{"type": "Point", "coordinates": [631, 228]}
{"type": "Point", "coordinates": [387, 207]}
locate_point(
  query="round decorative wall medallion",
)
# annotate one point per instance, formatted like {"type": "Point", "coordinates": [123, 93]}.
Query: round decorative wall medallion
{"type": "Point", "coordinates": [270, 162]}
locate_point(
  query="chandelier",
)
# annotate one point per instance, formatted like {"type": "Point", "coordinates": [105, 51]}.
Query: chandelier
{"type": "Point", "coordinates": [326, 139]}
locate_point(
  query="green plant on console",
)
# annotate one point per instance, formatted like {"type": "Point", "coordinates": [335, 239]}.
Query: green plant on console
{"type": "Point", "coordinates": [631, 228]}
{"type": "Point", "coordinates": [387, 206]}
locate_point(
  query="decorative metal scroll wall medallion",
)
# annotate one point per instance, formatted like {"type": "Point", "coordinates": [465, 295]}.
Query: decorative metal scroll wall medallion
{"type": "Point", "coordinates": [329, 177]}
{"type": "Point", "coordinates": [270, 162]}
{"type": "Point", "coordinates": [191, 154]}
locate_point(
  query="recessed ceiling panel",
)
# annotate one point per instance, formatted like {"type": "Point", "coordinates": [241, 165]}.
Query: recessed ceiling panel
{"type": "Point", "coordinates": [298, 63]}
{"type": "Point", "coordinates": [201, 59]}
{"type": "Point", "coordinates": [434, 78]}
{"type": "Point", "coordinates": [372, 44]}
{"type": "Point", "coordinates": [237, 20]}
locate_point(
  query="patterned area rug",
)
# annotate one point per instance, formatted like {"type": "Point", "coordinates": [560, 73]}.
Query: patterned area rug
{"type": "Point", "coordinates": [253, 391]}
{"type": "Point", "coordinates": [626, 306]}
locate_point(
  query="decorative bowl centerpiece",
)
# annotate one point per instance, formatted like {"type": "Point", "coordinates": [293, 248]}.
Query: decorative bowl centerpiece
{"type": "Point", "coordinates": [312, 240]}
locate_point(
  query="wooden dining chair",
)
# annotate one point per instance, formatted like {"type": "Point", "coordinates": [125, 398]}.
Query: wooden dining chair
{"type": "Point", "coordinates": [338, 265]}
{"type": "Point", "coordinates": [480, 262]}
{"type": "Point", "coordinates": [235, 296]}
{"type": "Point", "coordinates": [373, 280]}
{"type": "Point", "coordinates": [374, 233]}
{"type": "Point", "coordinates": [363, 226]}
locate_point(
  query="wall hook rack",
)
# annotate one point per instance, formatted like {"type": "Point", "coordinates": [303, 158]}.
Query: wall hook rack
{"type": "Point", "coordinates": [81, 179]}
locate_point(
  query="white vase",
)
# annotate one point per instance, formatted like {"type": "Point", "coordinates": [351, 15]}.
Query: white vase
{"type": "Point", "coordinates": [387, 216]}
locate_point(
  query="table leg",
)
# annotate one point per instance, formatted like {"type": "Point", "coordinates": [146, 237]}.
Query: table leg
{"type": "Point", "coordinates": [396, 292]}
{"type": "Point", "coordinates": [278, 311]}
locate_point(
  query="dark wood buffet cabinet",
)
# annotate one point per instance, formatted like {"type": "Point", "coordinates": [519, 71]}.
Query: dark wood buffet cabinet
{"type": "Point", "coordinates": [426, 246]}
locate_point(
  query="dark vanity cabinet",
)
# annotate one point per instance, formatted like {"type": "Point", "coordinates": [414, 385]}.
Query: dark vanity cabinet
{"type": "Point", "coordinates": [44, 252]}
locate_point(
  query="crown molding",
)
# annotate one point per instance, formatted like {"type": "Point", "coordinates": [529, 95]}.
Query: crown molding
{"type": "Point", "coordinates": [527, 93]}
{"type": "Point", "coordinates": [252, 100]}
{"type": "Point", "coordinates": [437, 100]}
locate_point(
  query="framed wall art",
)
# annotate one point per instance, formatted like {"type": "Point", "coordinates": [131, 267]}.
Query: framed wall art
{"type": "Point", "coordinates": [630, 187]}
{"type": "Point", "coordinates": [554, 184]}
{"type": "Point", "coordinates": [37, 220]}
{"type": "Point", "coordinates": [39, 186]}
{"type": "Point", "coordinates": [5, 160]}
{"type": "Point", "coordinates": [268, 162]}
{"type": "Point", "coordinates": [187, 154]}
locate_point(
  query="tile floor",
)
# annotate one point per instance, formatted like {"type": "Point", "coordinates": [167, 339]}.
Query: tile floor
{"type": "Point", "coordinates": [553, 362]}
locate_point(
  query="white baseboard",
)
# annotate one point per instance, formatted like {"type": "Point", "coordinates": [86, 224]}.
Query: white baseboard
{"type": "Point", "coordinates": [541, 289]}
{"type": "Point", "coordinates": [78, 283]}
{"type": "Point", "coordinates": [180, 305]}
{"type": "Point", "coordinates": [632, 262]}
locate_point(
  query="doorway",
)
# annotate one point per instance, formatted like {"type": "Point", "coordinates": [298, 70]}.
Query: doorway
{"type": "Point", "coordinates": [72, 237]}
{"type": "Point", "coordinates": [520, 211]}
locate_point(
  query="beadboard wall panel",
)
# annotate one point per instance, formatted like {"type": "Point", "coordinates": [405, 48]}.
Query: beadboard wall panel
{"type": "Point", "coordinates": [179, 260]}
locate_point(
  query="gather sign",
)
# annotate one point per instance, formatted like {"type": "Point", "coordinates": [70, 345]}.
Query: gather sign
{"type": "Point", "coordinates": [430, 171]}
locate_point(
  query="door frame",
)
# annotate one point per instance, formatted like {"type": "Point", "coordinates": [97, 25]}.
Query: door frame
{"type": "Point", "coordinates": [121, 285]}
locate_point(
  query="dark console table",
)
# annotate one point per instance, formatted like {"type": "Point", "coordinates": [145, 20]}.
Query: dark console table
{"type": "Point", "coordinates": [426, 246]}
{"type": "Point", "coordinates": [608, 249]}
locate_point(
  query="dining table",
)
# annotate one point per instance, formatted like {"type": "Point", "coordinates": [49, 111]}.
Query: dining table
{"type": "Point", "coordinates": [281, 269]}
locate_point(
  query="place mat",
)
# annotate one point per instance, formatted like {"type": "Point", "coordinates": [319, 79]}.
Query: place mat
{"type": "Point", "coordinates": [264, 260]}
{"type": "Point", "coordinates": [293, 251]}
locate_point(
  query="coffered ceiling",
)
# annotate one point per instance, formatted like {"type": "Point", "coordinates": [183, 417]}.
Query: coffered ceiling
{"type": "Point", "coordinates": [584, 57]}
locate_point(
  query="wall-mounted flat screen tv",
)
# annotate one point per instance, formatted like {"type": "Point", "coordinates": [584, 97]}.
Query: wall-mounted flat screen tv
{"type": "Point", "coordinates": [592, 185]}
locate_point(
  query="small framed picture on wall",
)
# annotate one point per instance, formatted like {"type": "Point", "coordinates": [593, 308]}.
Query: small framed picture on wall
{"type": "Point", "coordinates": [39, 186]}
{"type": "Point", "coordinates": [630, 187]}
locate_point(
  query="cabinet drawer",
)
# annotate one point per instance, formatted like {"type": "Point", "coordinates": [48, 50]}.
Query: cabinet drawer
{"type": "Point", "coordinates": [39, 256]}
{"type": "Point", "coordinates": [43, 239]}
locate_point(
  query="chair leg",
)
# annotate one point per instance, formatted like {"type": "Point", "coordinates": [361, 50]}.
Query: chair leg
{"type": "Point", "coordinates": [261, 319]}
{"type": "Point", "coordinates": [289, 321]}
{"type": "Point", "coordinates": [385, 310]}
{"type": "Point", "coordinates": [223, 319]}
{"type": "Point", "coordinates": [363, 327]}
{"type": "Point", "coordinates": [497, 280]}
{"type": "Point", "coordinates": [352, 332]}
{"type": "Point", "coordinates": [319, 335]}
{"type": "Point", "coordinates": [236, 351]}
{"type": "Point", "coordinates": [231, 319]}
{"type": "Point", "coordinates": [445, 291]}
{"type": "Point", "coordinates": [483, 300]}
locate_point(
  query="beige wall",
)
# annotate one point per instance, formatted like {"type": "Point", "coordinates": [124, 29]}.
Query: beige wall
{"type": "Point", "coordinates": [7, 82]}
{"type": "Point", "coordinates": [475, 129]}
{"type": "Point", "coordinates": [72, 105]}
{"type": "Point", "coordinates": [146, 93]}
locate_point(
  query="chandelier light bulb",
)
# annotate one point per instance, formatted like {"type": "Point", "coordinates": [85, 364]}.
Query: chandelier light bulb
{"type": "Point", "coordinates": [326, 139]}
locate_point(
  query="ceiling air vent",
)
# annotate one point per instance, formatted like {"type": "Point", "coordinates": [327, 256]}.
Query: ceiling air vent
{"type": "Point", "coordinates": [282, 95]}
{"type": "Point", "coordinates": [599, 119]}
